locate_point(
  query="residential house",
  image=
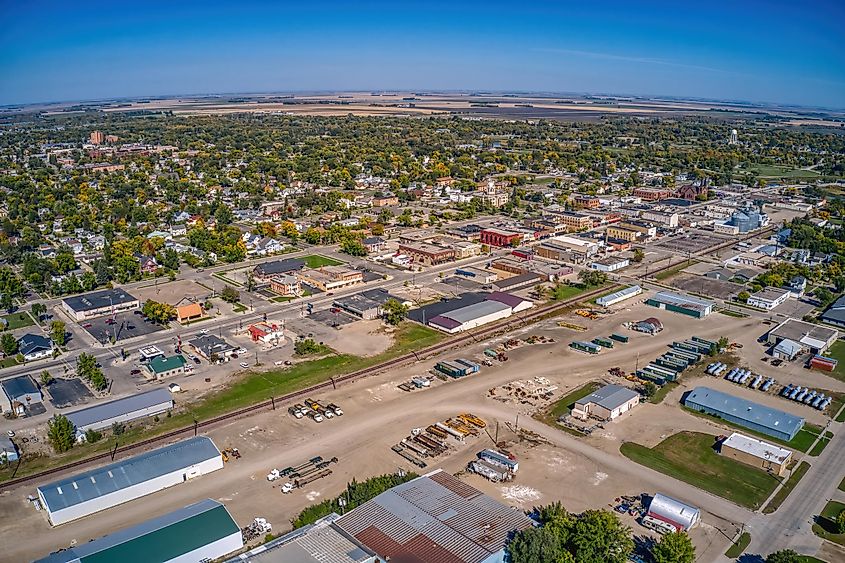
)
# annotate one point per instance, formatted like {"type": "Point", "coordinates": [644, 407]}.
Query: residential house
{"type": "Point", "coordinates": [21, 391]}
{"type": "Point", "coordinates": [148, 264]}
{"type": "Point", "coordinates": [374, 244]}
{"type": "Point", "coordinates": [189, 312]}
{"type": "Point", "coordinates": [35, 346]}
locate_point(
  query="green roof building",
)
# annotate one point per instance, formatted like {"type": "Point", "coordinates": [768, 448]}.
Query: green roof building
{"type": "Point", "coordinates": [165, 366]}
{"type": "Point", "coordinates": [204, 531]}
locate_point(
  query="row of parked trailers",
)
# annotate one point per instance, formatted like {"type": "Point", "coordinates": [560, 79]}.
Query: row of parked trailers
{"type": "Point", "coordinates": [679, 357]}
{"type": "Point", "coordinates": [740, 376]}
{"type": "Point", "coordinates": [808, 396]}
{"type": "Point", "coordinates": [597, 343]}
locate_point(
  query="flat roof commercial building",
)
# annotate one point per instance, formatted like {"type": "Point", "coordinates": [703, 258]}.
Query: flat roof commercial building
{"type": "Point", "coordinates": [495, 306]}
{"type": "Point", "coordinates": [610, 264]}
{"type": "Point", "coordinates": [434, 518]}
{"type": "Point", "coordinates": [99, 303]}
{"type": "Point", "coordinates": [126, 409]}
{"type": "Point", "coordinates": [99, 489]}
{"type": "Point", "coordinates": [756, 452]}
{"type": "Point", "coordinates": [684, 304]}
{"type": "Point", "coordinates": [426, 253]}
{"type": "Point", "coordinates": [203, 531]}
{"type": "Point", "coordinates": [210, 346]}
{"type": "Point", "coordinates": [22, 391]}
{"type": "Point", "coordinates": [748, 414]}
{"type": "Point", "coordinates": [607, 403]}
{"type": "Point", "coordinates": [835, 314]}
{"type": "Point", "coordinates": [812, 337]}
{"type": "Point", "coordinates": [500, 237]}
{"type": "Point", "coordinates": [768, 298]}
{"type": "Point", "coordinates": [328, 278]}
{"type": "Point", "coordinates": [366, 304]}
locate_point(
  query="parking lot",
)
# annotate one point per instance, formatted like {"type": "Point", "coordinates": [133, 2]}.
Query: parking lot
{"type": "Point", "coordinates": [714, 288]}
{"type": "Point", "coordinates": [691, 242]}
{"type": "Point", "coordinates": [333, 317]}
{"type": "Point", "coordinates": [124, 327]}
{"type": "Point", "coordinates": [66, 393]}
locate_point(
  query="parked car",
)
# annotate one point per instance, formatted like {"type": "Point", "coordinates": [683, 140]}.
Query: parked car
{"type": "Point", "coordinates": [87, 325]}
{"type": "Point", "coordinates": [241, 350]}
{"type": "Point", "coordinates": [135, 372]}
{"type": "Point", "coordinates": [234, 356]}
{"type": "Point", "coordinates": [196, 360]}
{"type": "Point", "coordinates": [137, 312]}
{"type": "Point", "coordinates": [244, 365]}
{"type": "Point", "coordinates": [204, 331]}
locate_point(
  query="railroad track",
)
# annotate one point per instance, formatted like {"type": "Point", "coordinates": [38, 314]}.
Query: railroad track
{"type": "Point", "coordinates": [456, 342]}
{"type": "Point", "coordinates": [411, 357]}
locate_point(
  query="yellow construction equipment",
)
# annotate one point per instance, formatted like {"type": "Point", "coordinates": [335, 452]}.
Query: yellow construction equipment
{"type": "Point", "coordinates": [470, 418]}
{"type": "Point", "coordinates": [572, 326]}
{"type": "Point", "coordinates": [460, 426]}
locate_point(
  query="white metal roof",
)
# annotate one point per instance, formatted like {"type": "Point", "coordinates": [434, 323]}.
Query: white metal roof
{"type": "Point", "coordinates": [757, 448]}
{"type": "Point", "coordinates": [667, 508]}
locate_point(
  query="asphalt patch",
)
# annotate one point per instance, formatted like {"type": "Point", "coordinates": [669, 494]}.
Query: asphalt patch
{"type": "Point", "coordinates": [68, 393]}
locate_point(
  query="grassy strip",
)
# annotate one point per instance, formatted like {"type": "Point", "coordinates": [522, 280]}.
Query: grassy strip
{"type": "Point", "coordinates": [250, 388]}
{"type": "Point", "coordinates": [837, 352]}
{"type": "Point", "coordinates": [281, 299]}
{"type": "Point", "coordinates": [564, 292]}
{"type": "Point", "coordinates": [821, 444]}
{"type": "Point", "coordinates": [732, 313]}
{"type": "Point", "coordinates": [690, 457]}
{"type": "Point", "coordinates": [842, 485]}
{"type": "Point", "coordinates": [801, 442]}
{"type": "Point", "coordinates": [238, 307]}
{"type": "Point", "coordinates": [674, 270]}
{"type": "Point", "coordinates": [790, 484]}
{"type": "Point", "coordinates": [825, 526]}
{"type": "Point", "coordinates": [662, 392]}
{"type": "Point", "coordinates": [564, 405]}
{"type": "Point", "coordinates": [736, 549]}
{"type": "Point", "coordinates": [8, 362]}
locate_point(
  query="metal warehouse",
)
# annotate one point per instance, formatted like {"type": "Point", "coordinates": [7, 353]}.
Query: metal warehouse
{"type": "Point", "coordinates": [134, 407]}
{"type": "Point", "coordinates": [432, 519]}
{"type": "Point", "coordinates": [748, 414]}
{"type": "Point", "coordinates": [471, 316]}
{"type": "Point", "coordinates": [619, 296]}
{"type": "Point", "coordinates": [683, 304]}
{"type": "Point", "coordinates": [203, 531]}
{"type": "Point", "coordinates": [674, 512]}
{"type": "Point", "coordinates": [114, 484]}
{"type": "Point", "coordinates": [607, 403]}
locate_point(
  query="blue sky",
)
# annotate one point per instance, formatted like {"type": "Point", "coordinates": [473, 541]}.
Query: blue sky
{"type": "Point", "coordinates": [786, 52]}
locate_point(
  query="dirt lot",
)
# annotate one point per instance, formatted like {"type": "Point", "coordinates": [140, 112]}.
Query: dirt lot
{"type": "Point", "coordinates": [699, 284]}
{"type": "Point", "coordinates": [172, 292]}
{"type": "Point", "coordinates": [580, 472]}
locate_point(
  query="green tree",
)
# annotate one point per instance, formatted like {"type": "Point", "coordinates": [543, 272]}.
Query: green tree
{"type": "Point", "coordinates": [599, 537]}
{"type": "Point", "coordinates": [840, 522]}
{"type": "Point", "coordinates": [58, 333]}
{"type": "Point", "coordinates": [824, 295]}
{"type": "Point", "coordinates": [743, 296]}
{"type": "Point", "coordinates": [46, 378]}
{"type": "Point", "coordinates": [98, 380]}
{"type": "Point", "coordinates": [784, 556]}
{"type": "Point", "coordinates": [229, 294]}
{"type": "Point", "coordinates": [592, 278]}
{"type": "Point", "coordinates": [394, 312]}
{"type": "Point", "coordinates": [536, 545]}
{"type": "Point", "coordinates": [306, 347]}
{"type": "Point", "coordinates": [88, 281]}
{"type": "Point", "coordinates": [353, 247]}
{"type": "Point", "coordinates": [38, 310]}
{"type": "Point", "coordinates": [85, 365]}
{"type": "Point", "coordinates": [9, 344]}
{"type": "Point", "coordinates": [92, 436]}
{"type": "Point", "coordinates": [638, 256]}
{"type": "Point", "coordinates": [675, 547]}
{"type": "Point", "coordinates": [160, 313]}
{"type": "Point", "coordinates": [649, 389]}
{"type": "Point", "coordinates": [61, 433]}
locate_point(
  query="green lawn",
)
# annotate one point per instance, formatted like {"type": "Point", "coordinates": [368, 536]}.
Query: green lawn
{"type": "Point", "coordinates": [8, 362]}
{"type": "Point", "coordinates": [776, 171]}
{"type": "Point", "coordinates": [790, 484]}
{"type": "Point", "coordinates": [238, 307]}
{"type": "Point", "coordinates": [690, 457]}
{"type": "Point", "coordinates": [820, 446]}
{"type": "Point", "coordinates": [801, 442]}
{"type": "Point", "coordinates": [564, 292]}
{"type": "Point", "coordinates": [18, 320]}
{"type": "Point", "coordinates": [842, 485]}
{"type": "Point", "coordinates": [732, 313]}
{"type": "Point", "coordinates": [825, 526]}
{"type": "Point", "coordinates": [281, 299]}
{"type": "Point", "coordinates": [736, 549]}
{"type": "Point", "coordinates": [317, 260]}
{"type": "Point", "coordinates": [837, 352]}
{"type": "Point", "coordinates": [564, 405]}
{"type": "Point", "coordinates": [251, 387]}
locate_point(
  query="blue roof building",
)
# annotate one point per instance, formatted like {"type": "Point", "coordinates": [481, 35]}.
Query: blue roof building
{"type": "Point", "coordinates": [747, 414]}
{"type": "Point", "coordinates": [98, 489]}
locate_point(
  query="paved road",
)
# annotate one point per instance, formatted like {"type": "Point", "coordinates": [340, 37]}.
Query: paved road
{"type": "Point", "coordinates": [791, 526]}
